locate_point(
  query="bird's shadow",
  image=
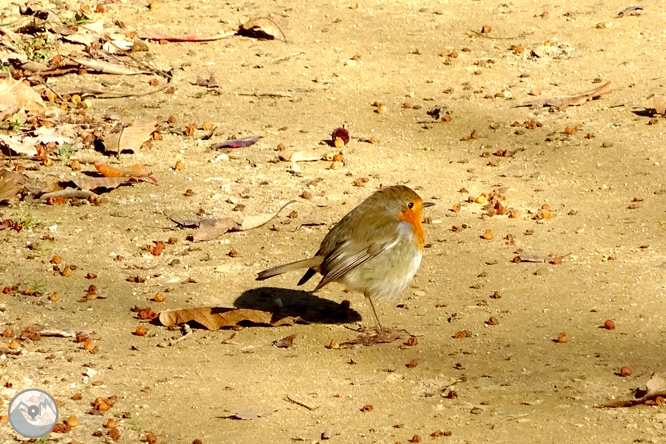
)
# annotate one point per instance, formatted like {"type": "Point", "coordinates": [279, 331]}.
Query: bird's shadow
{"type": "Point", "coordinates": [287, 302]}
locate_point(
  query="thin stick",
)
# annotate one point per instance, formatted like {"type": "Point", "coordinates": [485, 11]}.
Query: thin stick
{"type": "Point", "coordinates": [288, 398]}
{"type": "Point", "coordinates": [519, 36]}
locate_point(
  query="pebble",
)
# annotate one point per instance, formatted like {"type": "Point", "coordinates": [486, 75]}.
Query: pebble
{"type": "Point", "coordinates": [327, 434]}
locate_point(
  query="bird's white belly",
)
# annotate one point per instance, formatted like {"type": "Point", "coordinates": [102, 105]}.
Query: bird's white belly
{"type": "Point", "coordinates": [388, 273]}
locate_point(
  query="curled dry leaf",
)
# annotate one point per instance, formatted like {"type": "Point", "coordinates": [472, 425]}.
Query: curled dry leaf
{"type": "Point", "coordinates": [659, 103]}
{"type": "Point", "coordinates": [236, 143]}
{"type": "Point", "coordinates": [245, 416]}
{"type": "Point", "coordinates": [262, 28]}
{"type": "Point", "coordinates": [214, 318]}
{"type": "Point", "coordinates": [631, 10]}
{"type": "Point", "coordinates": [159, 36]}
{"type": "Point", "coordinates": [562, 102]}
{"type": "Point", "coordinates": [299, 156]}
{"type": "Point", "coordinates": [211, 228]}
{"type": "Point", "coordinates": [27, 145]}
{"type": "Point", "coordinates": [654, 388]}
{"type": "Point", "coordinates": [535, 257]}
{"type": "Point", "coordinates": [256, 221]}
{"type": "Point", "coordinates": [106, 67]}
{"type": "Point", "coordinates": [285, 342]}
{"type": "Point", "coordinates": [16, 96]}
{"type": "Point", "coordinates": [109, 183]}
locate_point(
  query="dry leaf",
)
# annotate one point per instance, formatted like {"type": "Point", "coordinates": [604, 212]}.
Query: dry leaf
{"type": "Point", "coordinates": [300, 156]}
{"type": "Point", "coordinates": [655, 387]}
{"type": "Point", "coordinates": [10, 185]}
{"type": "Point", "coordinates": [27, 146]}
{"type": "Point", "coordinates": [245, 416]}
{"type": "Point", "coordinates": [47, 135]}
{"type": "Point", "coordinates": [262, 28]}
{"type": "Point", "coordinates": [68, 193]}
{"type": "Point", "coordinates": [631, 10]}
{"type": "Point", "coordinates": [285, 342]}
{"type": "Point", "coordinates": [159, 36]}
{"type": "Point", "coordinates": [106, 67]}
{"type": "Point", "coordinates": [256, 221]}
{"type": "Point", "coordinates": [381, 338]}
{"type": "Point", "coordinates": [108, 171]}
{"type": "Point", "coordinates": [214, 318]}
{"type": "Point", "coordinates": [210, 228]}
{"type": "Point", "coordinates": [534, 257]}
{"type": "Point", "coordinates": [659, 103]}
{"type": "Point", "coordinates": [109, 183]}
{"type": "Point", "coordinates": [562, 102]}
{"type": "Point", "coordinates": [236, 143]}
{"type": "Point", "coordinates": [16, 96]}
{"type": "Point", "coordinates": [130, 138]}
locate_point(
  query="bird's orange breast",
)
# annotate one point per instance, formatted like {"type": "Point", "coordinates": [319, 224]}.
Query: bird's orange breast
{"type": "Point", "coordinates": [413, 217]}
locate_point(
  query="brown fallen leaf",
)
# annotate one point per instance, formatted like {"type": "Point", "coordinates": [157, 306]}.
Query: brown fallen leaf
{"type": "Point", "coordinates": [299, 156]}
{"type": "Point", "coordinates": [10, 184]}
{"type": "Point", "coordinates": [285, 342]}
{"type": "Point", "coordinates": [373, 339]}
{"type": "Point", "coordinates": [631, 10]}
{"type": "Point", "coordinates": [107, 170]}
{"type": "Point", "coordinates": [655, 387]}
{"type": "Point", "coordinates": [562, 102]}
{"type": "Point", "coordinates": [107, 67]}
{"type": "Point", "coordinates": [68, 193]}
{"type": "Point", "coordinates": [659, 103]}
{"type": "Point", "coordinates": [540, 258]}
{"type": "Point", "coordinates": [149, 34]}
{"type": "Point", "coordinates": [27, 145]}
{"type": "Point", "coordinates": [248, 415]}
{"type": "Point", "coordinates": [130, 138]}
{"type": "Point", "coordinates": [109, 183]}
{"type": "Point", "coordinates": [214, 318]}
{"type": "Point", "coordinates": [262, 28]}
{"type": "Point", "coordinates": [211, 228]}
{"type": "Point", "coordinates": [15, 95]}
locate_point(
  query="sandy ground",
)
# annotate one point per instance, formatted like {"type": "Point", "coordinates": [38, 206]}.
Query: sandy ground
{"type": "Point", "coordinates": [512, 381]}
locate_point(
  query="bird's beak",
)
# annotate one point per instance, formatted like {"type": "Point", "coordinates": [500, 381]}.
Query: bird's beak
{"type": "Point", "coordinates": [428, 204]}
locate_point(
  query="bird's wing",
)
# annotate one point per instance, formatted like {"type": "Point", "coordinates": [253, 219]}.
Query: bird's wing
{"type": "Point", "coordinates": [345, 257]}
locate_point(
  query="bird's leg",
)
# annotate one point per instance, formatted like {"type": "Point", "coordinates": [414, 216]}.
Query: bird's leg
{"type": "Point", "coordinates": [380, 330]}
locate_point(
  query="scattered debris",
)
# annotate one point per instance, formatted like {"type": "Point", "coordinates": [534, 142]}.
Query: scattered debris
{"type": "Point", "coordinates": [563, 102]}
{"type": "Point", "coordinates": [214, 318]}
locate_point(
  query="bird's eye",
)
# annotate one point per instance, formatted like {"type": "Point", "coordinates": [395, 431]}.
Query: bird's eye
{"type": "Point", "coordinates": [410, 205]}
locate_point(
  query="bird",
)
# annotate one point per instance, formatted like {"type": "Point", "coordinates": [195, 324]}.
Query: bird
{"type": "Point", "coordinates": [375, 249]}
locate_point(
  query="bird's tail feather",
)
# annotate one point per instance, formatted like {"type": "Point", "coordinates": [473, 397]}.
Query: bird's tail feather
{"type": "Point", "coordinates": [305, 263]}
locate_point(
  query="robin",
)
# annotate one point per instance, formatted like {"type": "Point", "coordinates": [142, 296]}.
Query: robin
{"type": "Point", "coordinates": [375, 249]}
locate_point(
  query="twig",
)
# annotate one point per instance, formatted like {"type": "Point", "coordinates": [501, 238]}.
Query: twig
{"type": "Point", "coordinates": [68, 192]}
{"type": "Point", "coordinates": [139, 62]}
{"type": "Point", "coordinates": [187, 333]}
{"type": "Point", "coordinates": [229, 340]}
{"type": "Point", "coordinates": [290, 399]}
{"type": "Point", "coordinates": [519, 36]}
{"type": "Point", "coordinates": [102, 94]}
{"type": "Point", "coordinates": [510, 418]}
{"type": "Point", "coordinates": [63, 333]}
{"type": "Point", "coordinates": [633, 402]}
{"type": "Point", "coordinates": [283, 59]}
{"type": "Point", "coordinates": [267, 94]}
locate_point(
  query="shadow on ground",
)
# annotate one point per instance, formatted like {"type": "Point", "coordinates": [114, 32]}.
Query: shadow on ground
{"type": "Point", "coordinates": [287, 302]}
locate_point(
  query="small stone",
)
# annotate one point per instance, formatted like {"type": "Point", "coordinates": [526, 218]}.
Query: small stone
{"type": "Point", "coordinates": [327, 434]}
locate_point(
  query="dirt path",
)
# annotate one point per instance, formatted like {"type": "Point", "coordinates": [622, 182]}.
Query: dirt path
{"type": "Point", "coordinates": [510, 382]}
